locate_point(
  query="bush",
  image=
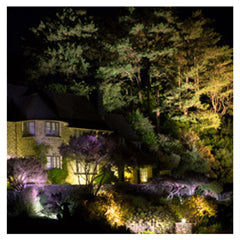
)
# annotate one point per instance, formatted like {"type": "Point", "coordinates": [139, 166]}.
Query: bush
{"type": "Point", "coordinates": [169, 145]}
{"type": "Point", "coordinates": [21, 171]}
{"type": "Point", "coordinates": [215, 228]}
{"type": "Point", "coordinates": [143, 126]}
{"type": "Point", "coordinates": [57, 176]}
{"type": "Point", "coordinates": [214, 187]}
{"type": "Point", "coordinates": [194, 209]}
{"type": "Point", "coordinates": [24, 203]}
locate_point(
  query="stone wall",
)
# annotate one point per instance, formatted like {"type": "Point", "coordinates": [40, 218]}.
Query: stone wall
{"type": "Point", "coordinates": [11, 139]}
{"type": "Point", "coordinates": [20, 146]}
{"type": "Point", "coordinates": [183, 228]}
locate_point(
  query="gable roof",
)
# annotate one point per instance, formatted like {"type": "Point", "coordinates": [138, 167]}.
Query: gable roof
{"type": "Point", "coordinates": [25, 103]}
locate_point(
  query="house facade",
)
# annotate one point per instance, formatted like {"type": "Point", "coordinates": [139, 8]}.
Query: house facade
{"type": "Point", "coordinates": [42, 118]}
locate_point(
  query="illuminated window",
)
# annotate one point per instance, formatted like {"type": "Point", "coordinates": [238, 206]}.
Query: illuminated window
{"type": "Point", "coordinates": [54, 162]}
{"type": "Point", "coordinates": [52, 129]}
{"type": "Point", "coordinates": [85, 168]}
{"type": "Point", "coordinates": [29, 128]}
{"type": "Point", "coordinates": [143, 174]}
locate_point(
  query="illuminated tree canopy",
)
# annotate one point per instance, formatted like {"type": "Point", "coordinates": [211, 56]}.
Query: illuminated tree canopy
{"type": "Point", "coordinates": [165, 67]}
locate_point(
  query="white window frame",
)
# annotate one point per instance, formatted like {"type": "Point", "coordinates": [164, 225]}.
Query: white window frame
{"type": "Point", "coordinates": [54, 162]}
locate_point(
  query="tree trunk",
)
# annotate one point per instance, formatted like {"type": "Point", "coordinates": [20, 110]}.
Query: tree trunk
{"type": "Point", "coordinates": [158, 109]}
{"type": "Point", "coordinates": [186, 110]}
{"type": "Point", "coordinates": [179, 77]}
{"type": "Point", "coordinates": [196, 80]}
{"type": "Point", "coordinates": [121, 173]}
{"type": "Point", "coordinates": [148, 96]}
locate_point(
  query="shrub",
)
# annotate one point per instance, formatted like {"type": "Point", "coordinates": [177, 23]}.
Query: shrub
{"type": "Point", "coordinates": [169, 145]}
{"type": "Point", "coordinates": [24, 203]}
{"type": "Point", "coordinates": [215, 228]}
{"type": "Point", "coordinates": [214, 187]}
{"type": "Point", "coordinates": [194, 209]}
{"type": "Point", "coordinates": [58, 176]}
{"type": "Point", "coordinates": [21, 171]}
{"type": "Point", "coordinates": [143, 126]}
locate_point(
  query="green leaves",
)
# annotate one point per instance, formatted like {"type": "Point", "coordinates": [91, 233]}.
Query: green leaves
{"type": "Point", "coordinates": [65, 47]}
{"type": "Point", "coordinates": [114, 97]}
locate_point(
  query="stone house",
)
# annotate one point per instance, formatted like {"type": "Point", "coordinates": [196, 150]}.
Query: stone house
{"type": "Point", "coordinates": [39, 117]}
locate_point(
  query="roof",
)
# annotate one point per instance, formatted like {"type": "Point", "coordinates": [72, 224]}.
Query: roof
{"type": "Point", "coordinates": [26, 103]}
{"type": "Point", "coordinates": [118, 123]}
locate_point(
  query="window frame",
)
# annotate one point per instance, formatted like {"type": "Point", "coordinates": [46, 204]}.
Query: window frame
{"type": "Point", "coordinates": [76, 133]}
{"type": "Point", "coordinates": [26, 132]}
{"type": "Point", "coordinates": [55, 162]}
{"type": "Point", "coordinates": [55, 132]}
{"type": "Point", "coordinates": [79, 169]}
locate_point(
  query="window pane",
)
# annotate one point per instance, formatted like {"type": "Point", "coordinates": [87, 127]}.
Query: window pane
{"type": "Point", "coordinates": [57, 162]}
{"type": "Point", "coordinates": [31, 128]}
{"type": "Point", "coordinates": [57, 129]}
{"type": "Point", "coordinates": [28, 128]}
{"type": "Point", "coordinates": [143, 174]}
{"type": "Point", "coordinates": [60, 159]}
{"type": "Point", "coordinates": [53, 128]}
{"type": "Point", "coordinates": [48, 162]}
{"type": "Point", "coordinates": [48, 129]}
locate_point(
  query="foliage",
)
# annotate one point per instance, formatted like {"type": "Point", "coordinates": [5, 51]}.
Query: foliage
{"type": "Point", "coordinates": [192, 161]}
{"type": "Point", "coordinates": [114, 97]}
{"type": "Point", "coordinates": [172, 68]}
{"type": "Point", "coordinates": [24, 203]}
{"type": "Point", "coordinates": [57, 176]}
{"type": "Point", "coordinates": [169, 145]}
{"type": "Point", "coordinates": [194, 209]}
{"type": "Point", "coordinates": [144, 127]}
{"type": "Point", "coordinates": [111, 207]}
{"type": "Point", "coordinates": [41, 151]}
{"type": "Point", "coordinates": [92, 153]}
{"type": "Point", "coordinates": [147, 232]}
{"type": "Point", "coordinates": [214, 187]}
{"type": "Point", "coordinates": [21, 171]}
{"type": "Point", "coordinates": [108, 178]}
{"type": "Point", "coordinates": [65, 48]}
{"type": "Point", "coordinates": [57, 88]}
{"type": "Point", "coordinates": [215, 228]}
{"type": "Point", "coordinates": [81, 88]}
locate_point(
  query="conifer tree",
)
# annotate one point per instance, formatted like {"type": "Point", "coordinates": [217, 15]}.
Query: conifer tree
{"type": "Point", "coordinates": [64, 47]}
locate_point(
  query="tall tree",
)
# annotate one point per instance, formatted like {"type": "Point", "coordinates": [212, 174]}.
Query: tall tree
{"type": "Point", "coordinates": [198, 61]}
{"type": "Point", "coordinates": [64, 47]}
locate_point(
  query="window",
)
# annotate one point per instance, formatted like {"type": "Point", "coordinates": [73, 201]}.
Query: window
{"type": "Point", "coordinates": [29, 128]}
{"type": "Point", "coordinates": [76, 133]}
{"type": "Point", "coordinates": [52, 129]}
{"type": "Point", "coordinates": [54, 162]}
{"type": "Point", "coordinates": [143, 174]}
{"type": "Point", "coordinates": [85, 168]}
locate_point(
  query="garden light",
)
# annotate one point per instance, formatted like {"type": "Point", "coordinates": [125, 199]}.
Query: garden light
{"type": "Point", "coordinates": [183, 220]}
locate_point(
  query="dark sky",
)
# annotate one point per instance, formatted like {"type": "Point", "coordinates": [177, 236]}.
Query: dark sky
{"type": "Point", "coordinates": [19, 19]}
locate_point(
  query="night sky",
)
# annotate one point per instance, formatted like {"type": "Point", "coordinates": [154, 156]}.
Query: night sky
{"type": "Point", "coordinates": [19, 19]}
